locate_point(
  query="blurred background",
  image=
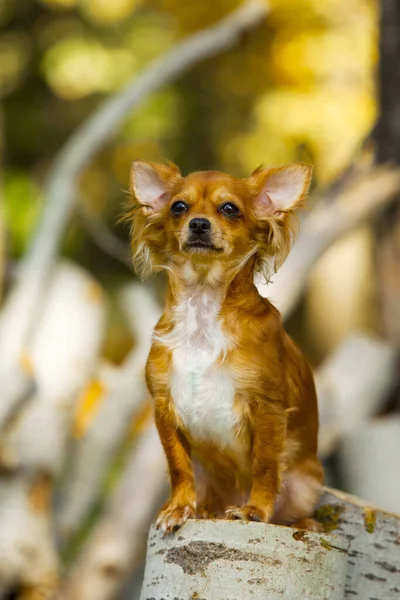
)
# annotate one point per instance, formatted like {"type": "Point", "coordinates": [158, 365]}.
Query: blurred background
{"type": "Point", "coordinates": [307, 80]}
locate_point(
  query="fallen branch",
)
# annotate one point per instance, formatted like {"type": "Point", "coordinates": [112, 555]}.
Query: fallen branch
{"type": "Point", "coordinates": [18, 319]}
{"type": "Point", "coordinates": [326, 223]}
{"type": "Point", "coordinates": [62, 356]}
{"type": "Point", "coordinates": [367, 460]}
{"type": "Point", "coordinates": [353, 385]}
{"type": "Point", "coordinates": [117, 544]}
{"type": "Point", "coordinates": [124, 393]}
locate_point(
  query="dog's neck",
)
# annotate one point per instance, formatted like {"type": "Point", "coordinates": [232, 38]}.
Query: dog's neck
{"type": "Point", "coordinates": [216, 280]}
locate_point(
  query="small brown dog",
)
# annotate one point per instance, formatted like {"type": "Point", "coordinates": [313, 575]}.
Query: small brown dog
{"type": "Point", "coordinates": [231, 389]}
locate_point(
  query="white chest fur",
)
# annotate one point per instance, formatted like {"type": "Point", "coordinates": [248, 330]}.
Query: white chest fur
{"type": "Point", "coordinates": [202, 388]}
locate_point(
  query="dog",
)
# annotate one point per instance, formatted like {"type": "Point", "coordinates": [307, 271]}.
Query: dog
{"type": "Point", "coordinates": [234, 398]}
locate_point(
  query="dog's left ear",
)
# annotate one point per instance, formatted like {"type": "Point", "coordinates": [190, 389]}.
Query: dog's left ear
{"type": "Point", "coordinates": [279, 190]}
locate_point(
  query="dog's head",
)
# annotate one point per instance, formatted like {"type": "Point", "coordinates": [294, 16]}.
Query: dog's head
{"type": "Point", "coordinates": [212, 221]}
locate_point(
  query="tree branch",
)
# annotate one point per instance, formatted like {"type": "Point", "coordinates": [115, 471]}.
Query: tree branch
{"type": "Point", "coordinates": [125, 392]}
{"type": "Point", "coordinates": [116, 545]}
{"type": "Point", "coordinates": [63, 356]}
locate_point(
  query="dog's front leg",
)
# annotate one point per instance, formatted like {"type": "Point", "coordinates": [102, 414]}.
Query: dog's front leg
{"type": "Point", "coordinates": [269, 432]}
{"type": "Point", "coordinates": [182, 503]}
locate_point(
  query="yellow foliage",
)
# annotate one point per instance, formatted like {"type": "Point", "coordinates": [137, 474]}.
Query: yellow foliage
{"type": "Point", "coordinates": [87, 407]}
{"type": "Point", "coordinates": [79, 66]}
{"type": "Point", "coordinates": [302, 83]}
{"type": "Point", "coordinates": [13, 60]}
{"type": "Point", "coordinates": [108, 11]}
{"type": "Point", "coordinates": [60, 3]}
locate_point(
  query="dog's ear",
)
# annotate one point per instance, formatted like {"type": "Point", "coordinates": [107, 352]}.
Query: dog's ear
{"type": "Point", "coordinates": [151, 182]}
{"type": "Point", "coordinates": [151, 185]}
{"type": "Point", "coordinates": [276, 193]}
{"type": "Point", "coordinates": [279, 190]}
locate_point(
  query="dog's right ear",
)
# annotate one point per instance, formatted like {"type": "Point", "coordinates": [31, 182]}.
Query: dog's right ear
{"type": "Point", "coordinates": [151, 182]}
{"type": "Point", "coordinates": [151, 185]}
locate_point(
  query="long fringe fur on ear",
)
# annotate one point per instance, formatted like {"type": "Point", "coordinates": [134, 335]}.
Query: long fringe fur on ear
{"type": "Point", "coordinates": [146, 234]}
{"type": "Point", "coordinates": [275, 233]}
{"type": "Point", "coordinates": [275, 238]}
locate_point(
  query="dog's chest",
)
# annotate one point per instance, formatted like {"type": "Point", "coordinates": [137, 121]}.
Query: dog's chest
{"type": "Point", "coordinates": [201, 386]}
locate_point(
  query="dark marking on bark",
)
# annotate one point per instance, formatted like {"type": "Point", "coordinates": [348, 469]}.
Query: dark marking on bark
{"type": "Point", "coordinates": [257, 580]}
{"type": "Point", "coordinates": [387, 566]}
{"type": "Point", "coordinates": [379, 546]}
{"type": "Point", "coordinates": [373, 577]}
{"type": "Point", "coordinates": [395, 542]}
{"type": "Point", "coordinates": [196, 556]}
{"type": "Point", "coordinates": [356, 553]}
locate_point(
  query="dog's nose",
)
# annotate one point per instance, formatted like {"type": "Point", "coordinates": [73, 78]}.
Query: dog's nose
{"type": "Point", "coordinates": [199, 226]}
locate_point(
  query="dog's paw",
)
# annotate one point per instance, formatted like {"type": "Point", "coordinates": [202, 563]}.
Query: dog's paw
{"type": "Point", "coordinates": [248, 513]}
{"type": "Point", "coordinates": [173, 516]}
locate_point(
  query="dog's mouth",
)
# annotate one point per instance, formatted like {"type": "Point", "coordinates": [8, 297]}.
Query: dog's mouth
{"type": "Point", "coordinates": [202, 245]}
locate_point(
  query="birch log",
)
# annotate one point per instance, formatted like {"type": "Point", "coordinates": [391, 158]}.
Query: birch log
{"type": "Point", "coordinates": [62, 356]}
{"type": "Point", "coordinates": [117, 543]}
{"type": "Point", "coordinates": [124, 393]}
{"type": "Point", "coordinates": [353, 385]}
{"type": "Point", "coordinates": [368, 461]}
{"type": "Point", "coordinates": [358, 556]}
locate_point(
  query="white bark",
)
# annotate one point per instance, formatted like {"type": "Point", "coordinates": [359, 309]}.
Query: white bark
{"type": "Point", "coordinates": [116, 545]}
{"type": "Point", "coordinates": [125, 392]}
{"type": "Point", "coordinates": [352, 386]}
{"type": "Point", "coordinates": [368, 461]}
{"type": "Point", "coordinates": [357, 557]}
{"type": "Point", "coordinates": [359, 201]}
{"type": "Point", "coordinates": [28, 555]}
{"type": "Point", "coordinates": [223, 560]}
{"type": "Point", "coordinates": [373, 560]}
{"type": "Point", "coordinates": [62, 356]}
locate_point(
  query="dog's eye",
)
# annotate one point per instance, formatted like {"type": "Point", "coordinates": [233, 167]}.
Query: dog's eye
{"type": "Point", "coordinates": [179, 207]}
{"type": "Point", "coordinates": [230, 210]}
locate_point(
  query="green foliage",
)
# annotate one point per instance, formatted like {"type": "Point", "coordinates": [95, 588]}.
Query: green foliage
{"type": "Point", "coordinates": [22, 205]}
